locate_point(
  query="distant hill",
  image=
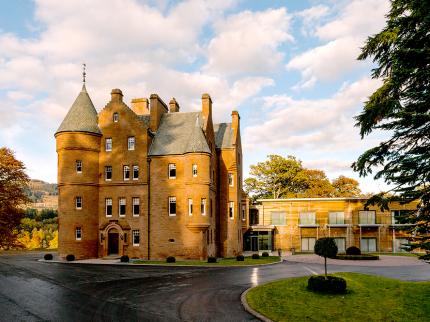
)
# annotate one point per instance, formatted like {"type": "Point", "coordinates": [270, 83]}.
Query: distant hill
{"type": "Point", "coordinates": [38, 191]}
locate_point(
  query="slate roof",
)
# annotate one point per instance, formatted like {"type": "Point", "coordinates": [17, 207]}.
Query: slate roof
{"type": "Point", "coordinates": [223, 135]}
{"type": "Point", "coordinates": [145, 118]}
{"type": "Point", "coordinates": [82, 116]}
{"type": "Point", "coordinates": [179, 133]}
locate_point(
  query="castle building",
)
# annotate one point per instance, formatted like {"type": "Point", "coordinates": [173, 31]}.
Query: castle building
{"type": "Point", "coordinates": [297, 223]}
{"type": "Point", "coordinates": [149, 181]}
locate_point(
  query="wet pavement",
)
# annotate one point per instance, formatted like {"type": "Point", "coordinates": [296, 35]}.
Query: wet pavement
{"type": "Point", "coordinates": [37, 291]}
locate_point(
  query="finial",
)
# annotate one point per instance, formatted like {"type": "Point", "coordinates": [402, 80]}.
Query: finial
{"type": "Point", "coordinates": [84, 72]}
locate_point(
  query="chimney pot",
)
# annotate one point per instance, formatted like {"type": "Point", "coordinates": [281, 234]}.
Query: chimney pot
{"type": "Point", "coordinates": [174, 106]}
{"type": "Point", "coordinates": [116, 95]}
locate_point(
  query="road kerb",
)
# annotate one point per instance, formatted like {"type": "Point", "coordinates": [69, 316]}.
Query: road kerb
{"type": "Point", "coordinates": [250, 310]}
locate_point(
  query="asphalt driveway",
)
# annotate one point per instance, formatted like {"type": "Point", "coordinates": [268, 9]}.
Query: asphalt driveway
{"type": "Point", "coordinates": [38, 291]}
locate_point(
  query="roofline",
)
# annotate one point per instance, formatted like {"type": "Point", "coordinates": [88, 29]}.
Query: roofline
{"type": "Point", "coordinates": [177, 154]}
{"type": "Point", "coordinates": [314, 199]}
{"type": "Point", "coordinates": [83, 132]}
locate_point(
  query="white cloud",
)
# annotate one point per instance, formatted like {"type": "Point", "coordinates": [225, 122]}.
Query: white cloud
{"type": "Point", "coordinates": [311, 18]}
{"type": "Point", "coordinates": [249, 42]}
{"type": "Point", "coordinates": [343, 37]}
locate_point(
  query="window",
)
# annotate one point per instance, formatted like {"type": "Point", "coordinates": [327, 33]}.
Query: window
{"type": "Point", "coordinates": [172, 206]}
{"type": "Point", "coordinates": [340, 243]}
{"type": "Point", "coordinates": [368, 244]}
{"type": "Point", "coordinates": [108, 207]}
{"type": "Point", "coordinates": [230, 179]}
{"type": "Point", "coordinates": [78, 166]}
{"type": "Point", "coordinates": [399, 216]}
{"type": "Point", "coordinates": [400, 245]}
{"type": "Point", "coordinates": [243, 212]}
{"type": "Point", "coordinates": [126, 172]}
{"type": "Point", "coordinates": [121, 206]}
{"type": "Point", "coordinates": [279, 218]}
{"type": "Point", "coordinates": [231, 209]}
{"type": "Point", "coordinates": [108, 144]}
{"type": "Point", "coordinates": [308, 244]}
{"type": "Point", "coordinates": [172, 171]}
{"type": "Point", "coordinates": [194, 170]}
{"type": "Point", "coordinates": [336, 218]}
{"type": "Point", "coordinates": [135, 172]}
{"type": "Point", "coordinates": [136, 237]}
{"type": "Point", "coordinates": [131, 143]}
{"type": "Point", "coordinates": [108, 173]}
{"type": "Point", "coordinates": [367, 217]}
{"type": "Point", "coordinates": [78, 233]}
{"type": "Point", "coordinates": [136, 206]}
{"type": "Point", "coordinates": [78, 202]}
{"type": "Point", "coordinates": [115, 117]}
{"type": "Point", "coordinates": [203, 207]}
{"type": "Point", "coordinates": [190, 207]}
{"type": "Point", "coordinates": [307, 218]}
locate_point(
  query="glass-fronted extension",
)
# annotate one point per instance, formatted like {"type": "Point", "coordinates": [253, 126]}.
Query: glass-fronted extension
{"type": "Point", "coordinates": [258, 240]}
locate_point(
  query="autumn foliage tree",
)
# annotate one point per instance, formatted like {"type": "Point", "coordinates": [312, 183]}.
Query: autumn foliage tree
{"type": "Point", "coordinates": [13, 181]}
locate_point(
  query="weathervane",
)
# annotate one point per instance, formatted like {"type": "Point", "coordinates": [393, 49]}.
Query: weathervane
{"type": "Point", "coordinates": [83, 72]}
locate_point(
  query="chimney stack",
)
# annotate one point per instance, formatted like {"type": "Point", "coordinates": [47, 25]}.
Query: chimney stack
{"type": "Point", "coordinates": [174, 106]}
{"type": "Point", "coordinates": [116, 95]}
{"type": "Point", "coordinates": [158, 108]}
{"type": "Point", "coordinates": [140, 106]}
{"type": "Point", "coordinates": [207, 106]}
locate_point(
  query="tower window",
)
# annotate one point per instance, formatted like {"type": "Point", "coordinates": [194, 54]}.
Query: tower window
{"type": "Point", "coordinates": [203, 207]}
{"type": "Point", "coordinates": [78, 233]}
{"type": "Point", "coordinates": [108, 207]}
{"type": "Point", "coordinates": [172, 171]}
{"type": "Point", "coordinates": [131, 143]}
{"type": "Point", "coordinates": [230, 179]}
{"type": "Point", "coordinates": [135, 172]}
{"type": "Point", "coordinates": [231, 209]}
{"type": "Point", "coordinates": [108, 145]}
{"type": "Point", "coordinates": [172, 206]}
{"type": "Point", "coordinates": [108, 173]}
{"type": "Point", "coordinates": [78, 166]}
{"type": "Point", "coordinates": [136, 237]}
{"type": "Point", "coordinates": [194, 170]}
{"type": "Point", "coordinates": [126, 172]}
{"type": "Point", "coordinates": [115, 117]}
{"type": "Point", "coordinates": [136, 206]}
{"type": "Point", "coordinates": [78, 202]}
{"type": "Point", "coordinates": [190, 207]}
{"type": "Point", "coordinates": [121, 206]}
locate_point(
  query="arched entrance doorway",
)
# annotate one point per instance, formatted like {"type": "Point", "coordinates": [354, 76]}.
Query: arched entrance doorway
{"type": "Point", "coordinates": [113, 242]}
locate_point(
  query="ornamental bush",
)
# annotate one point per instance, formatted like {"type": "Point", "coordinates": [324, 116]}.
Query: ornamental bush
{"type": "Point", "coordinates": [212, 259]}
{"type": "Point", "coordinates": [240, 258]}
{"type": "Point", "coordinates": [70, 258]}
{"type": "Point", "coordinates": [326, 247]}
{"type": "Point", "coordinates": [353, 251]}
{"type": "Point", "coordinates": [265, 254]}
{"type": "Point", "coordinates": [425, 257]}
{"type": "Point", "coordinates": [124, 259]}
{"type": "Point", "coordinates": [255, 256]}
{"type": "Point", "coordinates": [329, 284]}
{"type": "Point", "coordinates": [48, 257]}
{"type": "Point", "coordinates": [358, 257]}
{"type": "Point", "coordinates": [170, 259]}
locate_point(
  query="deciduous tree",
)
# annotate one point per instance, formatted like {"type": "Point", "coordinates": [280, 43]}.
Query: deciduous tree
{"type": "Point", "coordinates": [401, 107]}
{"type": "Point", "coordinates": [346, 187]}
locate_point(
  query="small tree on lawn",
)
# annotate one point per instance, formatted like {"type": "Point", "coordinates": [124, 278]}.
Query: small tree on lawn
{"type": "Point", "coordinates": [325, 247]}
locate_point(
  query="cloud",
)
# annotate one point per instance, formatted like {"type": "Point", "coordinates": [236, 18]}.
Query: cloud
{"type": "Point", "coordinates": [311, 18]}
{"type": "Point", "coordinates": [343, 36]}
{"type": "Point", "coordinates": [249, 42]}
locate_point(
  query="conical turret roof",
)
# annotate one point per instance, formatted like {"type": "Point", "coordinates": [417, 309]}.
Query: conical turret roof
{"type": "Point", "coordinates": [82, 116]}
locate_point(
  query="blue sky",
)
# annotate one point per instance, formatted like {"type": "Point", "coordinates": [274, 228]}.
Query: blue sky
{"type": "Point", "coordinates": [288, 67]}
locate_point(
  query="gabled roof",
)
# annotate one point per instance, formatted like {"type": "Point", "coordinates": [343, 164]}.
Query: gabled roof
{"type": "Point", "coordinates": [179, 133]}
{"type": "Point", "coordinates": [223, 135]}
{"type": "Point", "coordinates": [82, 116]}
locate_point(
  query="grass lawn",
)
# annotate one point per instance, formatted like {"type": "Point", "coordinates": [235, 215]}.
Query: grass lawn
{"type": "Point", "coordinates": [221, 262]}
{"type": "Point", "coordinates": [400, 254]}
{"type": "Point", "coordinates": [369, 298]}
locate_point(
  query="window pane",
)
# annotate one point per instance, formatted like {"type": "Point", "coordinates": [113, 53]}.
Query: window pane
{"type": "Point", "coordinates": [135, 172]}
{"type": "Point", "coordinates": [131, 143]}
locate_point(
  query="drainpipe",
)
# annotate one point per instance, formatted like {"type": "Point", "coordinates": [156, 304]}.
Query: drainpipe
{"type": "Point", "coordinates": [149, 207]}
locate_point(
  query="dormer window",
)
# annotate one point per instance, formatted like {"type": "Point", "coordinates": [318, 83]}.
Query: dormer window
{"type": "Point", "coordinates": [172, 171]}
{"type": "Point", "coordinates": [115, 117]}
{"type": "Point", "coordinates": [131, 143]}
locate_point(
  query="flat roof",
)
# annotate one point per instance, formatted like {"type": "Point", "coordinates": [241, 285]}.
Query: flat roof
{"type": "Point", "coordinates": [314, 199]}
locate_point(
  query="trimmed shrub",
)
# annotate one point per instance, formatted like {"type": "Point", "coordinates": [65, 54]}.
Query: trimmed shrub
{"type": "Point", "coordinates": [70, 258]}
{"type": "Point", "coordinates": [212, 260]}
{"type": "Point", "coordinates": [255, 256]}
{"type": "Point", "coordinates": [48, 257]}
{"type": "Point", "coordinates": [240, 258]}
{"type": "Point", "coordinates": [265, 254]}
{"type": "Point", "coordinates": [332, 285]}
{"type": "Point", "coordinates": [353, 251]}
{"type": "Point", "coordinates": [124, 259]}
{"type": "Point", "coordinates": [425, 257]}
{"type": "Point", "coordinates": [358, 257]}
{"type": "Point", "coordinates": [170, 259]}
